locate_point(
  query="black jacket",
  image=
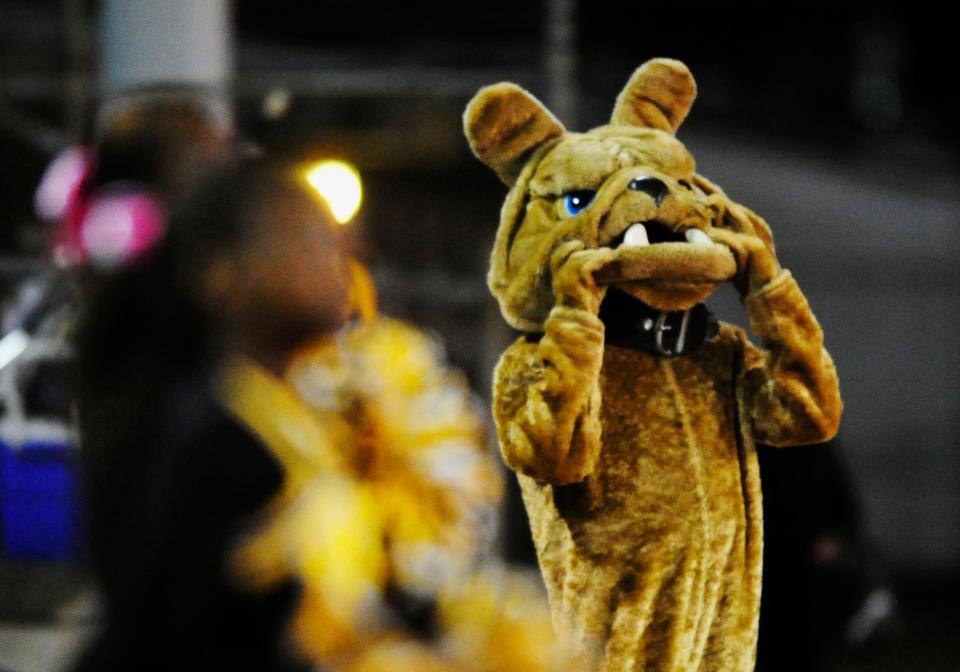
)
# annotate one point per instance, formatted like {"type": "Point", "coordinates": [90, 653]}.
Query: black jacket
{"type": "Point", "coordinates": [164, 513]}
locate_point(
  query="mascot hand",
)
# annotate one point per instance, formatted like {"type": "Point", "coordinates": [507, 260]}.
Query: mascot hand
{"type": "Point", "coordinates": [573, 266]}
{"type": "Point", "coordinates": [750, 239]}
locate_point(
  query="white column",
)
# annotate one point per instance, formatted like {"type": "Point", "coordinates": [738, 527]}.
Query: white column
{"type": "Point", "coordinates": [147, 42]}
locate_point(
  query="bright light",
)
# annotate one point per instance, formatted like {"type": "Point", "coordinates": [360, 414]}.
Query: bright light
{"type": "Point", "coordinates": [12, 346]}
{"type": "Point", "coordinates": [338, 183]}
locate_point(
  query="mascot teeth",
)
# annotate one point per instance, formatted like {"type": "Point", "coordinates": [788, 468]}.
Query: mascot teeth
{"type": "Point", "coordinates": [636, 236]}
{"type": "Point", "coordinates": [697, 237]}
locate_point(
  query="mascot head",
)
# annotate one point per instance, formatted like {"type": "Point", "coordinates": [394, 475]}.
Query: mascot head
{"type": "Point", "coordinates": [630, 186]}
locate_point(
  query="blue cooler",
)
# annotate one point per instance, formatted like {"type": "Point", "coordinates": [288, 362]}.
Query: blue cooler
{"type": "Point", "coordinates": [39, 505]}
{"type": "Point", "coordinates": [39, 471]}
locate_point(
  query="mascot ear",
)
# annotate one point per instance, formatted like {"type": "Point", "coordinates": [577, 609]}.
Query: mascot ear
{"type": "Point", "coordinates": [503, 124]}
{"type": "Point", "coordinates": [658, 95]}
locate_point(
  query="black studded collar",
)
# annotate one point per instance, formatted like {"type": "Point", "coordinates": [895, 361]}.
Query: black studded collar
{"type": "Point", "coordinates": [630, 323]}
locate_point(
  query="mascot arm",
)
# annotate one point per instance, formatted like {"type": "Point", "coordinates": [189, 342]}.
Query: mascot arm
{"type": "Point", "coordinates": [547, 399]}
{"type": "Point", "coordinates": [791, 390]}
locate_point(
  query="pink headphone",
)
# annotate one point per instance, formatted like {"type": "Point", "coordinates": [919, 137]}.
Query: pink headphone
{"type": "Point", "coordinates": [106, 228]}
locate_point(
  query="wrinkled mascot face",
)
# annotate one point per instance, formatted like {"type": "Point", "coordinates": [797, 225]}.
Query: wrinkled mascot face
{"type": "Point", "coordinates": [629, 186]}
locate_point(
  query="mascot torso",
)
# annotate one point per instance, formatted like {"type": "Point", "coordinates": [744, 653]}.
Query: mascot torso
{"type": "Point", "coordinates": [629, 415]}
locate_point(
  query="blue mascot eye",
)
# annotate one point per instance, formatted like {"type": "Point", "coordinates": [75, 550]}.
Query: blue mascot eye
{"type": "Point", "coordinates": [577, 201]}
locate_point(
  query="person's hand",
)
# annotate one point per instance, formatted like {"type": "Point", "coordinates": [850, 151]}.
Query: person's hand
{"type": "Point", "coordinates": [572, 266]}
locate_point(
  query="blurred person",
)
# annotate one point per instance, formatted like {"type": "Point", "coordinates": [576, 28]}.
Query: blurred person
{"type": "Point", "coordinates": [164, 136]}
{"type": "Point", "coordinates": [821, 577]}
{"type": "Point", "coordinates": [393, 539]}
{"type": "Point", "coordinates": [109, 200]}
{"type": "Point", "coordinates": [107, 204]}
{"type": "Point", "coordinates": [249, 269]}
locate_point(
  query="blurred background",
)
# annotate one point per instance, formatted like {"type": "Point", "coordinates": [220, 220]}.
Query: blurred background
{"type": "Point", "coordinates": [836, 123]}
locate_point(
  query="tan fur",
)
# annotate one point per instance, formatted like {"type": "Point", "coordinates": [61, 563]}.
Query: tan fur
{"type": "Point", "coordinates": [505, 122]}
{"type": "Point", "coordinates": [639, 473]}
{"type": "Point", "coordinates": [659, 95]}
